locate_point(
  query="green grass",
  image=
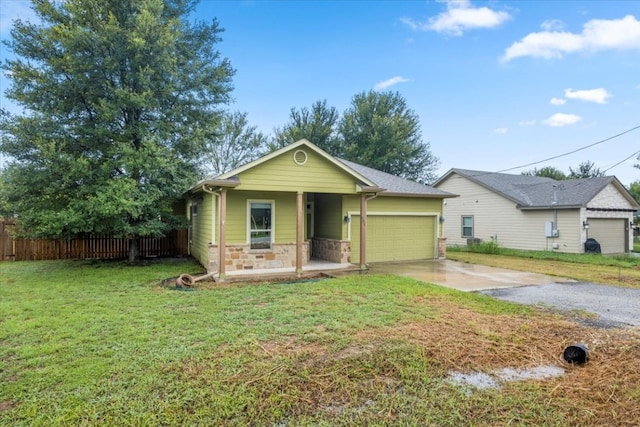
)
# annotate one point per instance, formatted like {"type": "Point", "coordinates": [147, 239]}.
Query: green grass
{"type": "Point", "coordinates": [89, 343]}
{"type": "Point", "coordinates": [623, 261]}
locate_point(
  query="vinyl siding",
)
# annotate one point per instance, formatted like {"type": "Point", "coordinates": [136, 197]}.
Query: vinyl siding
{"type": "Point", "coordinates": [317, 175]}
{"type": "Point", "coordinates": [201, 227]}
{"type": "Point", "coordinates": [284, 215]}
{"type": "Point", "coordinates": [329, 216]}
{"type": "Point", "coordinates": [498, 218]}
{"type": "Point", "coordinates": [394, 204]}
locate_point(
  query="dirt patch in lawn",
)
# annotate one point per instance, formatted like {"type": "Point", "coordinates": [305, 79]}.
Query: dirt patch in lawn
{"type": "Point", "coordinates": [605, 390]}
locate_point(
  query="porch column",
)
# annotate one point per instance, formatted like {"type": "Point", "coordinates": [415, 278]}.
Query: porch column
{"type": "Point", "coordinates": [299, 229]}
{"type": "Point", "coordinates": [363, 231]}
{"type": "Point", "coordinates": [222, 221]}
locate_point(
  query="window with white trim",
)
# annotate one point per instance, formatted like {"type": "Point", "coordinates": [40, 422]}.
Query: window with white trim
{"type": "Point", "coordinates": [467, 226]}
{"type": "Point", "coordinates": [260, 224]}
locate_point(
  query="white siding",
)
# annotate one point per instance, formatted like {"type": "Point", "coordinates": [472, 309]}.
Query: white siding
{"type": "Point", "coordinates": [497, 217]}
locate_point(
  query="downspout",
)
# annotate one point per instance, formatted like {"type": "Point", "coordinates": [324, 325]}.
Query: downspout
{"type": "Point", "coordinates": [364, 203]}
{"type": "Point", "coordinates": [216, 194]}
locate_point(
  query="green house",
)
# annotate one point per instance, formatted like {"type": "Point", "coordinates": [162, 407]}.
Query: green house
{"type": "Point", "coordinates": [299, 203]}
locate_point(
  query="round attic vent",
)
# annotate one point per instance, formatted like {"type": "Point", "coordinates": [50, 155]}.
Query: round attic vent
{"type": "Point", "coordinates": [300, 157]}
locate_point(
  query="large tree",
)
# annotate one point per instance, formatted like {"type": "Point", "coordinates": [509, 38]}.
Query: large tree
{"type": "Point", "coordinates": [233, 143]}
{"type": "Point", "coordinates": [115, 94]}
{"type": "Point", "coordinates": [586, 169]}
{"type": "Point", "coordinates": [380, 131]}
{"type": "Point", "coordinates": [317, 124]}
{"type": "Point", "coordinates": [547, 172]}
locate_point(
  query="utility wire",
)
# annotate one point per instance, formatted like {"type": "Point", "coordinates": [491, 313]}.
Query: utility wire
{"type": "Point", "coordinates": [637, 153]}
{"type": "Point", "coordinates": [575, 151]}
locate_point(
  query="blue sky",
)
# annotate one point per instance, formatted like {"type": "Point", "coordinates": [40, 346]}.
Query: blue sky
{"type": "Point", "coordinates": [496, 84]}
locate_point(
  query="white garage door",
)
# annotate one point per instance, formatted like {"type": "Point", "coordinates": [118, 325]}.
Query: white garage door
{"type": "Point", "coordinates": [610, 233]}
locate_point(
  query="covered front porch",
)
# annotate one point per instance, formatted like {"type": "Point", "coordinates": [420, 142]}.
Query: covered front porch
{"type": "Point", "coordinates": [315, 220]}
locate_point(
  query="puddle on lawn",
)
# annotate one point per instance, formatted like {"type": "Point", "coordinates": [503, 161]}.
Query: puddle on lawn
{"type": "Point", "coordinates": [481, 380]}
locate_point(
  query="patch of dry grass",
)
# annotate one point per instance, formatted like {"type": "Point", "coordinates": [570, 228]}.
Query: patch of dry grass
{"type": "Point", "coordinates": [316, 379]}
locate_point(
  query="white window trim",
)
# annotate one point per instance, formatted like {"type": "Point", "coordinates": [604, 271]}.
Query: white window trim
{"type": "Point", "coordinates": [462, 227]}
{"type": "Point", "coordinates": [273, 223]}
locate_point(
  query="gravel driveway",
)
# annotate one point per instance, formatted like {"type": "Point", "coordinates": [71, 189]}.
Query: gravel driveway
{"type": "Point", "coordinates": [613, 305]}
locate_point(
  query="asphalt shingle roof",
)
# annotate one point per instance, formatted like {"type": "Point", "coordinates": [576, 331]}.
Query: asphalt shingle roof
{"type": "Point", "coordinates": [535, 191]}
{"type": "Point", "coordinates": [394, 184]}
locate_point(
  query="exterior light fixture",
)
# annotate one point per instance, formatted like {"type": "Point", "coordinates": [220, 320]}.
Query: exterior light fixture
{"type": "Point", "coordinates": [585, 225]}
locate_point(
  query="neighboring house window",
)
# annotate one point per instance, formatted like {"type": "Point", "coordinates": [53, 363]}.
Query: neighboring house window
{"type": "Point", "coordinates": [467, 226]}
{"type": "Point", "coordinates": [260, 224]}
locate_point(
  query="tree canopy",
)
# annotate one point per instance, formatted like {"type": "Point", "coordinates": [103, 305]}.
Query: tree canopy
{"type": "Point", "coordinates": [548, 172]}
{"type": "Point", "coordinates": [115, 95]}
{"type": "Point", "coordinates": [233, 143]}
{"type": "Point", "coordinates": [379, 130]}
{"type": "Point", "coordinates": [634, 189]}
{"type": "Point", "coordinates": [317, 125]}
{"type": "Point", "coordinates": [585, 169]}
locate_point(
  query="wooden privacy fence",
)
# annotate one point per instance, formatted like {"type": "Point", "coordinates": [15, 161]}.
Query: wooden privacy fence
{"type": "Point", "coordinates": [6, 240]}
{"type": "Point", "coordinates": [98, 247]}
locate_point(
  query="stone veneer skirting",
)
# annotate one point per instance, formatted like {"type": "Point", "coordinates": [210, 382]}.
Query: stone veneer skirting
{"type": "Point", "coordinates": [241, 257]}
{"type": "Point", "coordinates": [331, 250]}
{"type": "Point", "coordinates": [442, 247]}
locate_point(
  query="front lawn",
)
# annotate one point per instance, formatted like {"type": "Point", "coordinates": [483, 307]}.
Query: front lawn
{"type": "Point", "coordinates": [87, 343]}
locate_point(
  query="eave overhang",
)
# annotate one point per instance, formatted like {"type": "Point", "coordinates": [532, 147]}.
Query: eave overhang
{"type": "Point", "coordinates": [214, 184]}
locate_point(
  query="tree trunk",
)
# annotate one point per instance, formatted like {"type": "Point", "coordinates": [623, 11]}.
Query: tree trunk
{"type": "Point", "coordinates": [134, 249]}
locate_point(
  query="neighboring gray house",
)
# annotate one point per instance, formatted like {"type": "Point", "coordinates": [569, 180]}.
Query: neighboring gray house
{"type": "Point", "coordinates": [537, 213]}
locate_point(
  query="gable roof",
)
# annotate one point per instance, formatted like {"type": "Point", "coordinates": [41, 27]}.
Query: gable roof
{"type": "Point", "coordinates": [395, 185]}
{"type": "Point", "coordinates": [370, 180]}
{"type": "Point", "coordinates": [535, 192]}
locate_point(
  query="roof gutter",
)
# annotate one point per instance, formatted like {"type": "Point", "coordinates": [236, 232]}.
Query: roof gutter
{"type": "Point", "coordinates": [371, 189]}
{"type": "Point", "coordinates": [547, 207]}
{"type": "Point", "coordinates": [208, 185]}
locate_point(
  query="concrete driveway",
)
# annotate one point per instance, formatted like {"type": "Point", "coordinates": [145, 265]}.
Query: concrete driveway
{"type": "Point", "coordinates": [462, 276]}
{"type": "Point", "coordinates": [611, 306]}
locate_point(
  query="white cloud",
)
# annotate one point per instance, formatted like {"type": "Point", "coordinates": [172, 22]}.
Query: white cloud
{"type": "Point", "coordinates": [552, 25]}
{"type": "Point", "coordinates": [501, 131]}
{"type": "Point", "coordinates": [390, 82]}
{"type": "Point", "coordinates": [561, 119]}
{"type": "Point", "coordinates": [596, 35]}
{"type": "Point", "coordinates": [557, 101]}
{"type": "Point", "coordinates": [528, 122]}
{"type": "Point", "coordinates": [599, 95]}
{"type": "Point", "coordinates": [459, 17]}
{"type": "Point", "coordinates": [12, 10]}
